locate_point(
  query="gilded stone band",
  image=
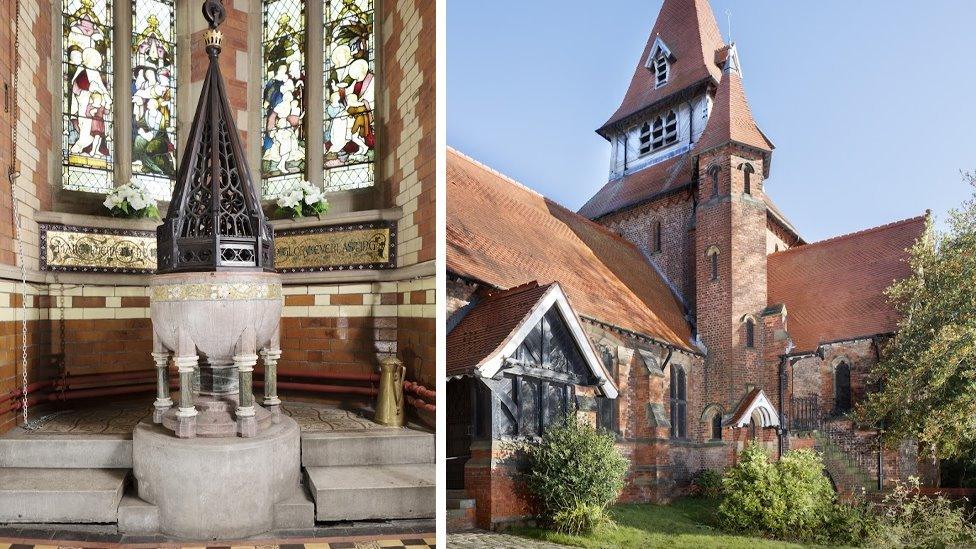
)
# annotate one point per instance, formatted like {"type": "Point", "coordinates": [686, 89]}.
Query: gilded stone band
{"type": "Point", "coordinates": [227, 291]}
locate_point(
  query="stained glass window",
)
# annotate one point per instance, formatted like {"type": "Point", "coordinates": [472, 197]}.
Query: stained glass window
{"type": "Point", "coordinates": [348, 89]}
{"type": "Point", "coordinates": [154, 95]}
{"type": "Point", "coordinates": [86, 66]}
{"type": "Point", "coordinates": [283, 100]}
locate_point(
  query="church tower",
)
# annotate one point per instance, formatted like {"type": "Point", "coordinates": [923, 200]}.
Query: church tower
{"type": "Point", "coordinates": [685, 186]}
{"type": "Point", "coordinates": [648, 195]}
{"type": "Point", "coordinates": [732, 160]}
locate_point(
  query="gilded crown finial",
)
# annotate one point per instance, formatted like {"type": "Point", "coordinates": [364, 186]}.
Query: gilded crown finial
{"type": "Point", "coordinates": [212, 37]}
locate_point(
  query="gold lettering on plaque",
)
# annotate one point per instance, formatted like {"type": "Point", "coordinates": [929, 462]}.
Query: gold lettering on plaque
{"type": "Point", "coordinates": [77, 249]}
{"type": "Point", "coordinates": [331, 249]}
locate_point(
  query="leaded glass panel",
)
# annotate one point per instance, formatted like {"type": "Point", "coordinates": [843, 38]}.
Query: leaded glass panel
{"type": "Point", "coordinates": [283, 100]}
{"type": "Point", "coordinates": [86, 67]}
{"type": "Point", "coordinates": [154, 95]}
{"type": "Point", "coordinates": [349, 96]}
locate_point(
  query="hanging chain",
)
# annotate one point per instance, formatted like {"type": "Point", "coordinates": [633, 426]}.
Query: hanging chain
{"type": "Point", "coordinates": [14, 174]}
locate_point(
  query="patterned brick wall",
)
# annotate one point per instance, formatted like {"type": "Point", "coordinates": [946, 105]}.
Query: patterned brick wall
{"type": "Point", "coordinates": [407, 123]}
{"type": "Point", "coordinates": [6, 118]}
{"type": "Point", "coordinates": [38, 343]}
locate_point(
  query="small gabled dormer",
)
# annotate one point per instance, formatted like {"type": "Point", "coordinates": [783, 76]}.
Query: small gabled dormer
{"type": "Point", "coordinates": [659, 62]}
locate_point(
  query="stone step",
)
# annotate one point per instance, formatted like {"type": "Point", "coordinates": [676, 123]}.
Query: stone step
{"type": "Point", "coordinates": [373, 491]}
{"type": "Point", "coordinates": [137, 516]}
{"type": "Point", "coordinates": [370, 447]}
{"type": "Point", "coordinates": [18, 449]}
{"type": "Point", "coordinates": [60, 495]}
{"type": "Point", "coordinates": [296, 512]}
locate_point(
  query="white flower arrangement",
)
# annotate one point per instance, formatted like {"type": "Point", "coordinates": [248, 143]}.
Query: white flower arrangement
{"type": "Point", "coordinates": [301, 198]}
{"type": "Point", "coordinates": [132, 200]}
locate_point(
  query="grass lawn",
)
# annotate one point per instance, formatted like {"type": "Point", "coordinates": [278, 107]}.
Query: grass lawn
{"type": "Point", "coordinates": [687, 522]}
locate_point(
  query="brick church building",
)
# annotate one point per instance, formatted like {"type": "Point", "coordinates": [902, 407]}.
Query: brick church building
{"type": "Point", "coordinates": [679, 307]}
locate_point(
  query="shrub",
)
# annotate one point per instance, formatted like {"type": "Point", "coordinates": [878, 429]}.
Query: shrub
{"type": "Point", "coordinates": [909, 519]}
{"type": "Point", "coordinates": [708, 483]}
{"type": "Point", "coordinates": [574, 474]}
{"type": "Point", "coordinates": [790, 499]}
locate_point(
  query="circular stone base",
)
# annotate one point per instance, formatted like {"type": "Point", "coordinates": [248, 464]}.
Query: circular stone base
{"type": "Point", "coordinates": [216, 488]}
{"type": "Point", "coordinates": [215, 417]}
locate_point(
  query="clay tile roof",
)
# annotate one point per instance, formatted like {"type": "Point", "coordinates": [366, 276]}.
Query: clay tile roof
{"type": "Point", "coordinates": [731, 120]}
{"type": "Point", "coordinates": [834, 289]}
{"type": "Point", "coordinates": [504, 234]}
{"type": "Point", "coordinates": [634, 188]}
{"type": "Point", "coordinates": [689, 30]}
{"type": "Point", "coordinates": [487, 326]}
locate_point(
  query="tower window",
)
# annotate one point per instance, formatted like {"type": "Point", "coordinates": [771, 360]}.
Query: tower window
{"type": "Point", "coordinates": [713, 174]}
{"type": "Point", "coordinates": [747, 171]}
{"type": "Point", "coordinates": [679, 403]}
{"type": "Point", "coordinates": [712, 255]}
{"type": "Point", "coordinates": [660, 69]}
{"type": "Point", "coordinates": [656, 236]}
{"type": "Point", "coordinates": [750, 333]}
{"type": "Point", "coordinates": [645, 138]}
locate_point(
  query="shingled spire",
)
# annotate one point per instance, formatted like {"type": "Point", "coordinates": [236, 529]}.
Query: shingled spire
{"type": "Point", "coordinates": [731, 120]}
{"type": "Point", "coordinates": [215, 221]}
{"type": "Point", "coordinates": [687, 29]}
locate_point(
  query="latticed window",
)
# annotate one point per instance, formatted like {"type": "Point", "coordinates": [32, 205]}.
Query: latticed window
{"type": "Point", "coordinates": [608, 410]}
{"type": "Point", "coordinates": [89, 133]}
{"type": "Point", "coordinates": [349, 87]}
{"type": "Point", "coordinates": [660, 69]}
{"type": "Point", "coordinates": [348, 128]}
{"type": "Point", "coordinates": [283, 99]}
{"type": "Point", "coordinates": [87, 144]}
{"type": "Point", "coordinates": [154, 95]}
{"type": "Point", "coordinates": [679, 403]}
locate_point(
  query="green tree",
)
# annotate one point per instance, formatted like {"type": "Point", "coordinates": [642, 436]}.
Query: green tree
{"type": "Point", "coordinates": [926, 378]}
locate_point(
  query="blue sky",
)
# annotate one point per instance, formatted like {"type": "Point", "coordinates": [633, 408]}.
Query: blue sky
{"type": "Point", "coordinates": [870, 103]}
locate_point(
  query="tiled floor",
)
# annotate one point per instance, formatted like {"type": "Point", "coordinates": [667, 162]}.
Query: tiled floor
{"type": "Point", "coordinates": [401, 543]}
{"type": "Point", "coordinates": [120, 418]}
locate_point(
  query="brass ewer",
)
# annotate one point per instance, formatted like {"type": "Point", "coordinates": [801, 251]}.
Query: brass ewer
{"type": "Point", "coordinates": [389, 402]}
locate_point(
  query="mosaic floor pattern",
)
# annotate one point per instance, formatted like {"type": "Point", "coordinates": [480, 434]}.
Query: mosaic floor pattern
{"type": "Point", "coordinates": [406, 543]}
{"type": "Point", "coordinates": [120, 418]}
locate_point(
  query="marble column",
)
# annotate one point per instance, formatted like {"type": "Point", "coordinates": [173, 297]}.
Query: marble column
{"type": "Point", "coordinates": [187, 413]}
{"type": "Point", "coordinates": [271, 402]}
{"type": "Point", "coordinates": [247, 425]}
{"type": "Point", "coordinates": [163, 401]}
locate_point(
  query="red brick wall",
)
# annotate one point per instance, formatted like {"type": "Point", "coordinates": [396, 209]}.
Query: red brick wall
{"type": "Point", "coordinates": [677, 245]}
{"type": "Point", "coordinates": [736, 224]}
